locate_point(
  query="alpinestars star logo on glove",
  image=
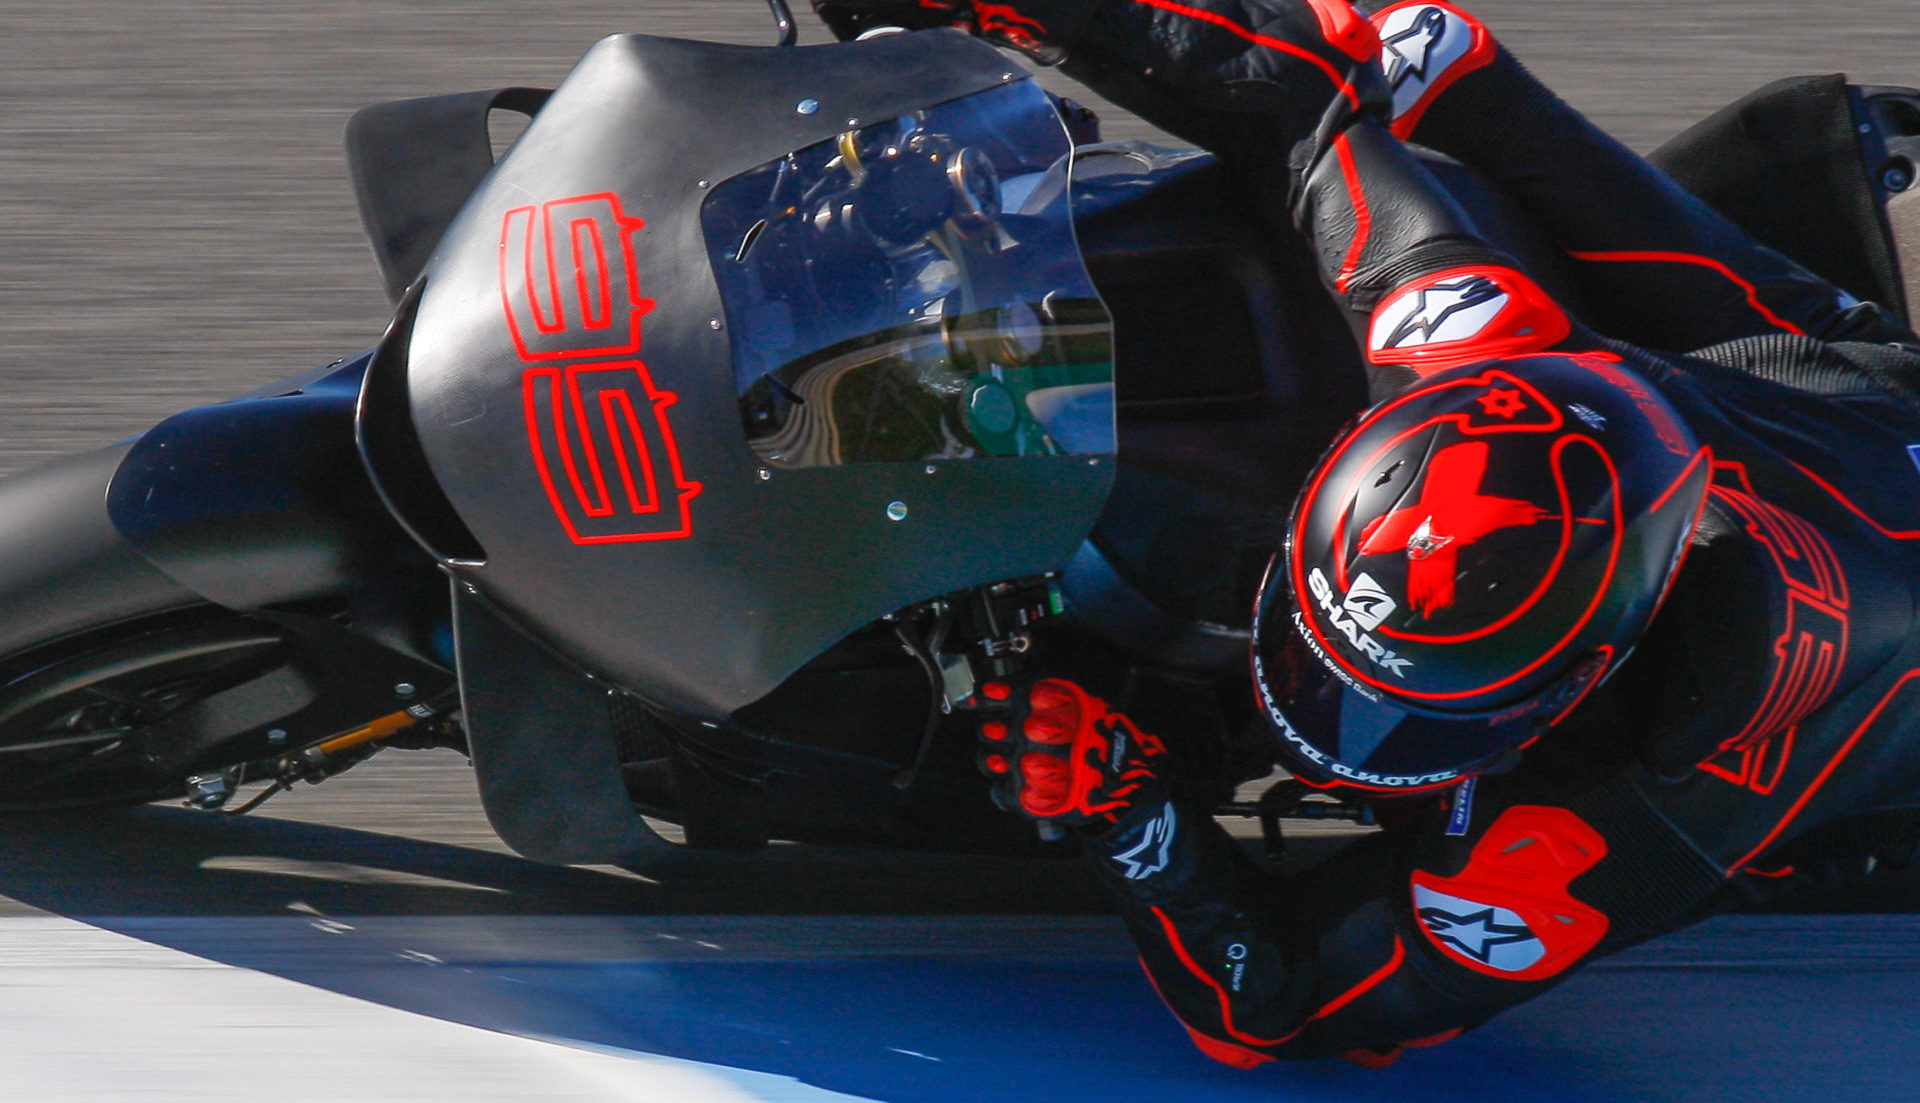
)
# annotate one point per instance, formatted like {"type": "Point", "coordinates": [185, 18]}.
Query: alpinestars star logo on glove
{"type": "Point", "coordinates": [1149, 856]}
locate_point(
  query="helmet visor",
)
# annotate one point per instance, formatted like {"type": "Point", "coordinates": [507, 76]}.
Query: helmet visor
{"type": "Point", "coordinates": [1337, 732]}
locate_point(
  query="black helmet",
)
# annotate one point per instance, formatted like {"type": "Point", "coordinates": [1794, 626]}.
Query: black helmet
{"type": "Point", "coordinates": [1467, 562]}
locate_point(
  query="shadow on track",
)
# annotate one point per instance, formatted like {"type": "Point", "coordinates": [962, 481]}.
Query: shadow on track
{"type": "Point", "coordinates": [158, 861]}
{"type": "Point", "coordinates": [905, 976]}
{"type": "Point", "coordinates": [883, 975]}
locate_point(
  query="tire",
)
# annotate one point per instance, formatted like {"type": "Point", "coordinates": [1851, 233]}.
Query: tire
{"type": "Point", "coordinates": [125, 713]}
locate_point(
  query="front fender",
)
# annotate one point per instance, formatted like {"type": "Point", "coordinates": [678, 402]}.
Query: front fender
{"type": "Point", "coordinates": [64, 569]}
{"type": "Point", "coordinates": [263, 501]}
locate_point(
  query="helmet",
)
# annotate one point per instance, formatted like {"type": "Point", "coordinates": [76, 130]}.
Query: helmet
{"type": "Point", "coordinates": [1466, 562]}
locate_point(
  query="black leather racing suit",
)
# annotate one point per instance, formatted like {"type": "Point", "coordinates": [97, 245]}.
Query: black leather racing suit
{"type": "Point", "coordinates": [1767, 730]}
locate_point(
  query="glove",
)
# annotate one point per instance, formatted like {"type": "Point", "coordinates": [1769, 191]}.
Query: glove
{"type": "Point", "coordinates": [849, 19]}
{"type": "Point", "coordinates": [1055, 752]}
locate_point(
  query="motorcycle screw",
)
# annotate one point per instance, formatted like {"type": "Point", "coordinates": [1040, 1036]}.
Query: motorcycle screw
{"type": "Point", "coordinates": [807, 106]}
{"type": "Point", "coordinates": [765, 475]}
{"type": "Point", "coordinates": [404, 690]}
{"type": "Point", "coordinates": [208, 792]}
{"type": "Point", "coordinates": [1897, 178]}
{"type": "Point", "coordinates": [276, 736]}
{"type": "Point", "coordinates": [896, 511]}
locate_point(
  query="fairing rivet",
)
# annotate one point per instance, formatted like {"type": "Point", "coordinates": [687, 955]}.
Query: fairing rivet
{"type": "Point", "coordinates": [931, 469]}
{"type": "Point", "coordinates": [853, 122]}
{"type": "Point", "coordinates": [807, 107]}
{"type": "Point", "coordinates": [702, 183]}
{"type": "Point", "coordinates": [404, 689]}
{"type": "Point", "coordinates": [1006, 76]}
{"type": "Point", "coordinates": [896, 511]}
{"type": "Point", "coordinates": [765, 475]}
{"type": "Point", "coordinates": [277, 736]}
{"type": "Point", "coordinates": [1897, 179]}
{"type": "Point", "coordinates": [713, 323]}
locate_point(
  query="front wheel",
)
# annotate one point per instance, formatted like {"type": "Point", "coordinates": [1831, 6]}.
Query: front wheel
{"type": "Point", "coordinates": [123, 715]}
{"type": "Point", "coordinates": [126, 713]}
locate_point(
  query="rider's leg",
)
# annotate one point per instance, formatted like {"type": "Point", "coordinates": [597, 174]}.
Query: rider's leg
{"type": "Point", "coordinates": [1659, 267]}
{"type": "Point", "coordinates": [1289, 96]}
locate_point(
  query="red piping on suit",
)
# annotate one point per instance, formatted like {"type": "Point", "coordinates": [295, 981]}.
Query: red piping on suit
{"type": "Point", "coordinates": [1753, 293]}
{"type": "Point", "coordinates": [1362, 215]}
{"type": "Point", "coordinates": [1907, 534]}
{"type": "Point", "coordinates": [1834, 764]}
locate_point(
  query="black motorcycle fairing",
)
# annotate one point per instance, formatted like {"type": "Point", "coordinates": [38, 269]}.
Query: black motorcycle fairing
{"type": "Point", "coordinates": [414, 163]}
{"type": "Point", "coordinates": [541, 734]}
{"type": "Point", "coordinates": [1801, 164]}
{"type": "Point", "coordinates": [390, 446]}
{"type": "Point", "coordinates": [64, 567]}
{"type": "Point", "coordinates": [263, 501]}
{"type": "Point", "coordinates": [696, 576]}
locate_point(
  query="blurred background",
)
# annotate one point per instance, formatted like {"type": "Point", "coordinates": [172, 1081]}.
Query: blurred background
{"type": "Point", "coordinates": [176, 223]}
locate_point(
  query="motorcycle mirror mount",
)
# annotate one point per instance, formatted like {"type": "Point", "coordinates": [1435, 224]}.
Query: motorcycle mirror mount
{"type": "Point", "coordinates": [783, 19]}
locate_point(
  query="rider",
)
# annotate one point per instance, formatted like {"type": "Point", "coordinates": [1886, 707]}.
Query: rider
{"type": "Point", "coordinates": [1478, 562]}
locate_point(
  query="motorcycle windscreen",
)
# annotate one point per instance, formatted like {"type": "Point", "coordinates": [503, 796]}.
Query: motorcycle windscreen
{"type": "Point", "coordinates": [912, 290]}
{"type": "Point", "coordinates": [710, 378]}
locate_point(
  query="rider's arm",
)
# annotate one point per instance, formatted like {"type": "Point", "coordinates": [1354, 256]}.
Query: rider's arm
{"type": "Point", "coordinates": [1405, 937]}
{"type": "Point", "coordinates": [1298, 109]}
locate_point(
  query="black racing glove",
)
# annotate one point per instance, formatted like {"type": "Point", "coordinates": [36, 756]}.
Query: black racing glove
{"type": "Point", "coordinates": [1055, 752]}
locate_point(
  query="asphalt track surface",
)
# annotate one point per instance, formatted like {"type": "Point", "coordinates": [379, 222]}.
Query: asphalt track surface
{"type": "Point", "coordinates": [175, 226]}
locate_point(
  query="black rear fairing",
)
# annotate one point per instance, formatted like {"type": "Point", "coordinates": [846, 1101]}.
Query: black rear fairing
{"type": "Point", "coordinates": [573, 381]}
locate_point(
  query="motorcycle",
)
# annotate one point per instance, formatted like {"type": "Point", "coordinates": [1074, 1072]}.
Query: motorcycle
{"type": "Point", "coordinates": [752, 411]}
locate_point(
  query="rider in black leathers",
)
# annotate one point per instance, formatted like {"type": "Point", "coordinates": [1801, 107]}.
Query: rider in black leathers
{"type": "Point", "coordinates": [1765, 733]}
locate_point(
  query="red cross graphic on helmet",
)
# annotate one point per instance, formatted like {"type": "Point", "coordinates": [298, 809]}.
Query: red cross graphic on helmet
{"type": "Point", "coordinates": [1451, 514]}
{"type": "Point", "coordinates": [1527, 551]}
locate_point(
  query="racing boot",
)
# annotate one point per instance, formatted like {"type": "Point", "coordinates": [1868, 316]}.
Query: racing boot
{"type": "Point", "coordinates": [1643, 242]}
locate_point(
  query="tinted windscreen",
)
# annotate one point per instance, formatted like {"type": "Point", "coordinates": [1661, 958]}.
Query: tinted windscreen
{"type": "Point", "coordinates": [912, 290]}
